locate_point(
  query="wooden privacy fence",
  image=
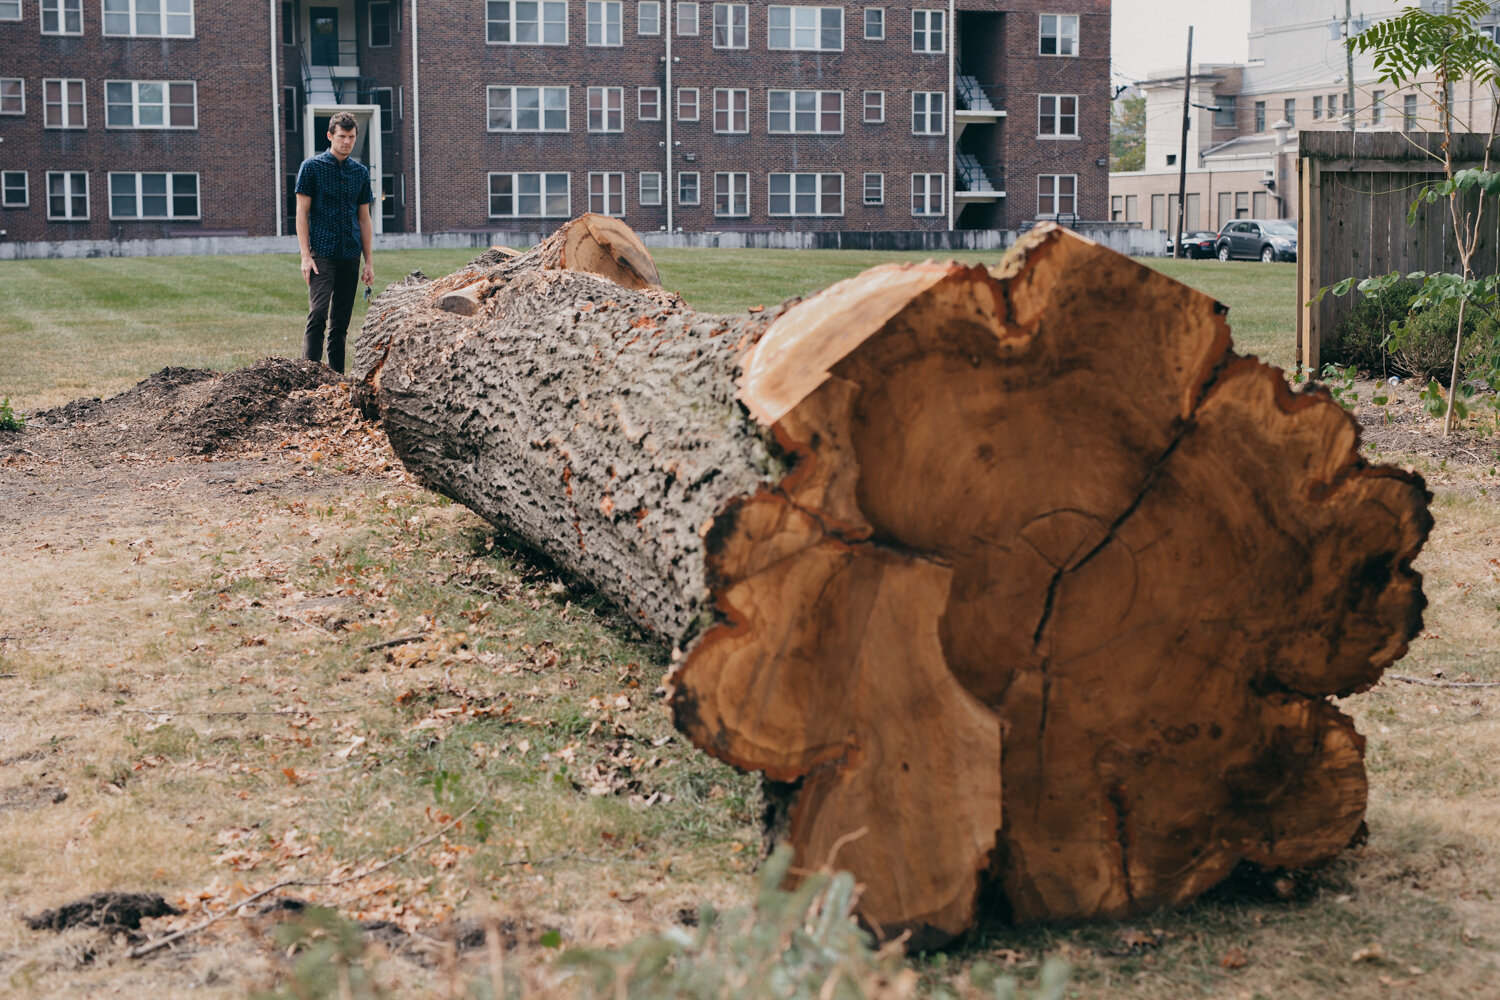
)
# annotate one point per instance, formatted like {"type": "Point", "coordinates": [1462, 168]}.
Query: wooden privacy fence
{"type": "Point", "coordinates": [1355, 190]}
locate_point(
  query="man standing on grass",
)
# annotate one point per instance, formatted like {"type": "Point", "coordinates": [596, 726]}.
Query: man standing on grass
{"type": "Point", "coordinates": [333, 230]}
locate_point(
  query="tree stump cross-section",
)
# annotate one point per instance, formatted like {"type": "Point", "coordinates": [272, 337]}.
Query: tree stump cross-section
{"type": "Point", "coordinates": [1021, 578]}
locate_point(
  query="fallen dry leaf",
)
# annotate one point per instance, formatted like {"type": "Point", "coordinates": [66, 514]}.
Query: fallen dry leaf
{"type": "Point", "coordinates": [1373, 952]}
{"type": "Point", "coordinates": [1234, 958]}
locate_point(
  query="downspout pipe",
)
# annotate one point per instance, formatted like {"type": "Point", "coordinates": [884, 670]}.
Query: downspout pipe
{"type": "Point", "coordinates": [952, 183]}
{"type": "Point", "coordinates": [276, 132]}
{"type": "Point", "coordinates": [668, 110]}
{"type": "Point", "coordinates": [416, 121]}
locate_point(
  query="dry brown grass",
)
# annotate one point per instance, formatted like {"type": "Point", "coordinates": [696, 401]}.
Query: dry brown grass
{"type": "Point", "coordinates": [128, 659]}
{"type": "Point", "coordinates": [187, 660]}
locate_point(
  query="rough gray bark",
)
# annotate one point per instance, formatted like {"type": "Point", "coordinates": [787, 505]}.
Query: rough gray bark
{"type": "Point", "coordinates": [596, 423]}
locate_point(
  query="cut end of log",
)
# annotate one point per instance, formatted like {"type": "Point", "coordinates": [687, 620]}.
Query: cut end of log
{"type": "Point", "coordinates": [1021, 580]}
{"type": "Point", "coordinates": [1047, 501]}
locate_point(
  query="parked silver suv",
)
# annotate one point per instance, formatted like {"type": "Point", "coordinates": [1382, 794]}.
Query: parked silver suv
{"type": "Point", "coordinates": [1264, 239]}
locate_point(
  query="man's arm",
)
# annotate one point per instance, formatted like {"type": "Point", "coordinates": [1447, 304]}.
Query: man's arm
{"type": "Point", "coordinates": [304, 208]}
{"type": "Point", "coordinates": [367, 240]}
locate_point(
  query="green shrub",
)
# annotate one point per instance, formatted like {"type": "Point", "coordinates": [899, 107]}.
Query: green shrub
{"type": "Point", "coordinates": [1423, 346]}
{"type": "Point", "coordinates": [1378, 336]}
{"type": "Point", "coordinates": [10, 420]}
{"type": "Point", "coordinates": [1358, 336]}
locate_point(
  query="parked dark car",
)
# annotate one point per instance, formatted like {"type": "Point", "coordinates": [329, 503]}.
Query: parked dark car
{"type": "Point", "coordinates": [1258, 239]}
{"type": "Point", "coordinates": [1195, 244]}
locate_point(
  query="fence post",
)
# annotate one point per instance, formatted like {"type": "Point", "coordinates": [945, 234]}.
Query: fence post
{"type": "Point", "coordinates": [1309, 260]}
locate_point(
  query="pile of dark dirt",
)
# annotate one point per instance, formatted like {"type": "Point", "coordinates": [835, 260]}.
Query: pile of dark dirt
{"type": "Point", "coordinates": [189, 411]}
{"type": "Point", "coordinates": [108, 911]}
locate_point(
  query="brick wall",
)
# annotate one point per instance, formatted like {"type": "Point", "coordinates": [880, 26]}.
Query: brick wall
{"type": "Point", "coordinates": [230, 149]}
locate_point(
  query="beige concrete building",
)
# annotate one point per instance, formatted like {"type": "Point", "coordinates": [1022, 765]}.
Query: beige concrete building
{"type": "Point", "coordinates": [1242, 132]}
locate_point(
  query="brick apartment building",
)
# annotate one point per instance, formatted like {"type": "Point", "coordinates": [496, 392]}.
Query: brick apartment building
{"type": "Point", "coordinates": [151, 118]}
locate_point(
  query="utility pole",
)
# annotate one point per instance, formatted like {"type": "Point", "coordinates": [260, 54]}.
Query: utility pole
{"type": "Point", "coordinates": [1187, 97]}
{"type": "Point", "coordinates": [1349, 63]}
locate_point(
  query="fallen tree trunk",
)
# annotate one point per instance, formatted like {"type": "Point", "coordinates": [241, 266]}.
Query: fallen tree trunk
{"type": "Point", "coordinates": [931, 505]}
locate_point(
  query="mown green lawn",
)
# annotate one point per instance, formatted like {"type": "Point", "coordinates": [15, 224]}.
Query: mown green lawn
{"type": "Point", "coordinates": [72, 328]}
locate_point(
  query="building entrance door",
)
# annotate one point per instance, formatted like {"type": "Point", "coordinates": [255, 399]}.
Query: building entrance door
{"type": "Point", "coordinates": [324, 22]}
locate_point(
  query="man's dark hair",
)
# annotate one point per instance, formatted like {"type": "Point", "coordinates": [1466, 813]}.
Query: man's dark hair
{"type": "Point", "coordinates": [343, 120]}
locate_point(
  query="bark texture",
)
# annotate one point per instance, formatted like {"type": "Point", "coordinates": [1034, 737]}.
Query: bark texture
{"type": "Point", "coordinates": [932, 505]}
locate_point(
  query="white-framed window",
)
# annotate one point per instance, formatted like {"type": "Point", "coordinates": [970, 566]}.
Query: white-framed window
{"type": "Point", "coordinates": [927, 112]}
{"type": "Point", "coordinates": [604, 22]}
{"type": "Point", "coordinates": [607, 193]}
{"type": "Point", "coordinates": [152, 103]}
{"type": "Point", "coordinates": [153, 196]}
{"type": "Point", "coordinates": [874, 24]}
{"type": "Point", "coordinates": [816, 29]}
{"type": "Point", "coordinates": [687, 104]}
{"type": "Point", "coordinates": [290, 117]}
{"type": "Point", "coordinates": [648, 17]}
{"type": "Point", "coordinates": [648, 104]}
{"type": "Point", "coordinates": [731, 26]}
{"type": "Point", "coordinates": [874, 189]}
{"type": "Point", "coordinates": [12, 95]}
{"type": "Point", "coordinates": [731, 194]}
{"type": "Point", "coordinates": [526, 22]}
{"type": "Point", "coordinates": [148, 18]}
{"type": "Point", "coordinates": [810, 111]}
{"type": "Point", "coordinates": [385, 97]}
{"type": "Point", "coordinates": [530, 196]}
{"type": "Point", "coordinates": [528, 109]}
{"type": "Point", "coordinates": [650, 188]}
{"type": "Point", "coordinates": [388, 199]}
{"type": "Point", "coordinates": [731, 110]}
{"type": "Point", "coordinates": [874, 106]}
{"type": "Point", "coordinates": [1058, 34]}
{"type": "Point", "coordinates": [687, 188]}
{"type": "Point", "coordinates": [10, 10]}
{"type": "Point", "coordinates": [67, 195]}
{"type": "Point", "coordinates": [63, 104]}
{"type": "Point", "coordinates": [926, 194]}
{"type": "Point", "coordinates": [927, 33]}
{"type": "Point", "coordinates": [380, 25]}
{"type": "Point", "coordinates": [606, 109]}
{"type": "Point", "coordinates": [15, 190]}
{"type": "Point", "coordinates": [1056, 116]}
{"type": "Point", "coordinates": [1056, 194]}
{"type": "Point", "coordinates": [62, 17]}
{"type": "Point", "coordinates": [805, 194]}
{"type": "Point", "coordinates": [1377, 107]}
{"type": "Point", "coordinates": [687, 19]}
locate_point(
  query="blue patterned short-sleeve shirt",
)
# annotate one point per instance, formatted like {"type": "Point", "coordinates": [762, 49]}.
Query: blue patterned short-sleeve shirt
{"type": "Point", "coordinates": [337, 190]}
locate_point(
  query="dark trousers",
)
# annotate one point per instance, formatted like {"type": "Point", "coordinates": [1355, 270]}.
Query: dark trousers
{"type": "Point", "coordinates": [333, 285]}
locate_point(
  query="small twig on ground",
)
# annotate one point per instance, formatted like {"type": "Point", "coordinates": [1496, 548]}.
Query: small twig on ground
{"type": "Point", "coordinates": [6, 677]}
{"type": "Point", "coordinates": [399, 640]}
{"type": "Point", "coordinates": [299, 621]}
{"type": "Point", "coordinates": [540, 861]}
{"type": "Point", "coordinates": [248, 711]}
{"type": "Point", "coordinates": [141, 951]}
{"type": "Point", "coordinates": [1444, 684]}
